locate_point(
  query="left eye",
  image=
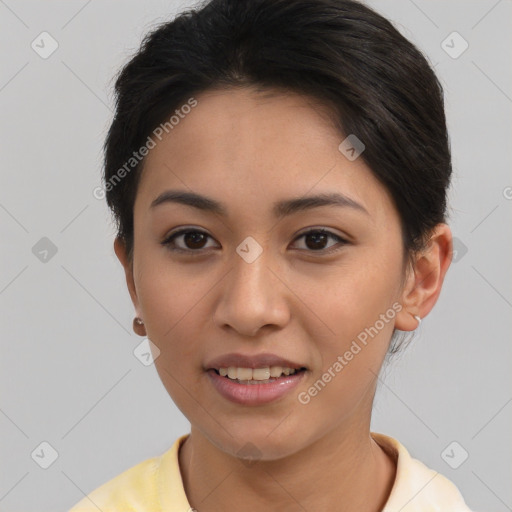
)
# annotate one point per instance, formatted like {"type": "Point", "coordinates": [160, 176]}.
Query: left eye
{"type": "Point", "coordinates": [194, 240]}
{"type": "Point", "coordinates": [319, 237]}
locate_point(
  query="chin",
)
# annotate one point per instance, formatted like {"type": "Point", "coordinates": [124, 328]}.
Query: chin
{"type": "Point", "coordinates": [257, 443]}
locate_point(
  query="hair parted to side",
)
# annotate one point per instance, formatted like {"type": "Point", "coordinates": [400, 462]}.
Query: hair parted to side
{"type": "Point", "coordinates": [374, 82]}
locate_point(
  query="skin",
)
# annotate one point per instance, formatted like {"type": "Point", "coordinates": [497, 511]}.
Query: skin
{"type": "Point", "coordinates": [247, 151]}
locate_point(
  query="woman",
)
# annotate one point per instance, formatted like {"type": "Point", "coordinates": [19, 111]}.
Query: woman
{"type": "Point", "coordinates": [278, 172]}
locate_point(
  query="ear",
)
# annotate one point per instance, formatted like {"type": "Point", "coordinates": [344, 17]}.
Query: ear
{"type": "Point", "coordinates": [424, 282]}
{"type": "Point", "coordinates": [121, 253]}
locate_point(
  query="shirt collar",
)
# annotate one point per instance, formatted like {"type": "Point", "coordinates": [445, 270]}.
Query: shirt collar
{"type": "Point", "coordinates": [416, 488]}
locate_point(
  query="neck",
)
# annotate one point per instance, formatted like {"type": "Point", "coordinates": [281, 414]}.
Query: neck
{"type": "Point", "coordinates": [344, 470]}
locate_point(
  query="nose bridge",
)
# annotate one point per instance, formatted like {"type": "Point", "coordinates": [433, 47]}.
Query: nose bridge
{"type": "Point", "coordinates": [250, 275]}
{"type": "Point", "coordinates": [250, 295]}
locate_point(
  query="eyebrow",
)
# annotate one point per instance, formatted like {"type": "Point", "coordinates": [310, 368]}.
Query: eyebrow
{"type": "Point", "coordinates": [280, 209]}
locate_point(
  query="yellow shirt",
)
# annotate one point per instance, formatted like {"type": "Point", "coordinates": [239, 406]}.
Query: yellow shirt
{"type": "Point", "coordinates": [155, 485]}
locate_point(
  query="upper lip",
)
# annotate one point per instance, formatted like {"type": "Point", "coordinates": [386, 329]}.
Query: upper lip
{"type": "Point", "coordinates": [254, 361]}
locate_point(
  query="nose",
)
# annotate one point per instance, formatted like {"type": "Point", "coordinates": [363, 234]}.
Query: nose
{"type": "Point", "coordinates": [253, 296]}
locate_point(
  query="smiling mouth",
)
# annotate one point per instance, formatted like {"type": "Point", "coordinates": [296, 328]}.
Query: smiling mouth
{"type": "Point", "coordinates": [252, 376]}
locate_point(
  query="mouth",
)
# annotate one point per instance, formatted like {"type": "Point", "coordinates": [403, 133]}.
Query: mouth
{"type": "Point", "coordinates": [255, 376]}
{"type": "Point", "coordinates": [254, 379]}
{"type": "Point", "coordinates": [255, 386]}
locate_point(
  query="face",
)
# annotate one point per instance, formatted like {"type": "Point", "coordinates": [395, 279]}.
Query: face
{"type": "Point", "coordinates": [250, 280]}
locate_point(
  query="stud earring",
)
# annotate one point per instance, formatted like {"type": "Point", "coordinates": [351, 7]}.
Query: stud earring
{"type": "Point", "coordinates": [138, 326]}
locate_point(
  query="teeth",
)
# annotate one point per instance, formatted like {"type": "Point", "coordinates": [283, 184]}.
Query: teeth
{"type": "Point", "coordinates": [242, 373]}
{"type": "Point", "coordinates": [247, 374]}
{"type": "Point", "coordinates": [275, 371]}
{"type": "Point", "coordinates": [258, 374]}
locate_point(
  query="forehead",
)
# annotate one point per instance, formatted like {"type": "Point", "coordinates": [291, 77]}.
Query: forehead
{"type": "Point", "coordinates": [254, 148]}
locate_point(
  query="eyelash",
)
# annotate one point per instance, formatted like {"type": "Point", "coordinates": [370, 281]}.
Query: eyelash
{"type": "Point", "coordinates": [168, 242]}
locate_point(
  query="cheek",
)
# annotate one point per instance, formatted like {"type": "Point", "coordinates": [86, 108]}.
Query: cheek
{"type": "Point", "coordinates": [177, 322]}
{"type": "Point", "coordinates": [350, 362]}
{"type": "Point", "coordinates": [349, 298]}
{"type": "Point", "coordinates": [173, 304]}
{"type": "Point", "coordinates": [350, 304]}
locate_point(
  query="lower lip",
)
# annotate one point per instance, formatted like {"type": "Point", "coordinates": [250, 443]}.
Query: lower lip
{"type": "Point", "coordinates": [254, 394]}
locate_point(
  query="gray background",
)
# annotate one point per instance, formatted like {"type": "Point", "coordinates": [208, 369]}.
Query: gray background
{"type": "Point", "coordinates": [68, 373]}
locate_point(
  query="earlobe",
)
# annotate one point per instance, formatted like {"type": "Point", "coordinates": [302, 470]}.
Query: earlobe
{"type": "Point", "coordinates": [425, 281]}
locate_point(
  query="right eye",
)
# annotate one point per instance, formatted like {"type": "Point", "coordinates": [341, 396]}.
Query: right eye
{"type": "Point", "coordinates": [192, 239]}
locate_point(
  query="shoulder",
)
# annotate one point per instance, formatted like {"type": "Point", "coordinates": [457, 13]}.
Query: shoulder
{"type": "Point", "coordinates": [418, 488]}
{"type": "Point", "coordinates": [135, 485]}
{"type": "Point", "coordinates": [137, 488]}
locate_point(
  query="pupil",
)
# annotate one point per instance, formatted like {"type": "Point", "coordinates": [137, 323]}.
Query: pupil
{"type": "Point", "coordinates": [315, 237]}
{"type": "Point", "coordinates": [194, 238]}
